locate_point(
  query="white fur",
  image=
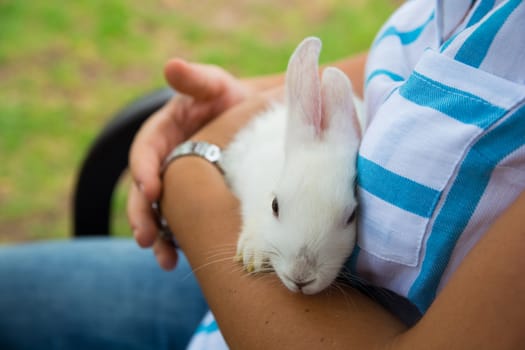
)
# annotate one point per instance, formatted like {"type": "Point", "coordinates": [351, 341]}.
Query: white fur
{"type": "Point", "coordinates": [304, 154]}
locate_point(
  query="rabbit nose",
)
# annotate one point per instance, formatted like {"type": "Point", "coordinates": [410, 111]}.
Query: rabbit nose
{"type": "Point", "coordinates": [301, 284]}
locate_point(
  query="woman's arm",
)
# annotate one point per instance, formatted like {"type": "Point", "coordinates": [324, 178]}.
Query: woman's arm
{"type": "Point", "coordinates": [481, 307]}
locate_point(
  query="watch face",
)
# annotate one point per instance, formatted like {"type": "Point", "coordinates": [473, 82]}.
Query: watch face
{"type": "Point", "coordinates": [213, 153]}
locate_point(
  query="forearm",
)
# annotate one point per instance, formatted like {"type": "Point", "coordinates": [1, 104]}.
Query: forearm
{"type": "Point", "coordinates": [258, 312]}
{"type": "Point", "coordinates": [482, 306]}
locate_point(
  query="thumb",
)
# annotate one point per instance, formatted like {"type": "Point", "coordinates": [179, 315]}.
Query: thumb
{"type": "Point", "coordinates": [200, 81]}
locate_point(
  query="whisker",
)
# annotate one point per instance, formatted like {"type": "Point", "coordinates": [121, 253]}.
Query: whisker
{"type": "Point", "coordinates": [224, 248]}
{"type": "Point", "coordinates": [226, 245]}
{"type": "Point", "coordinates": [347, 297]}
{"type": "Point", "coordinates": [216, 261]}
{"type": "Point", "coordinates": [275, 251]}
{"type": "Point", "coordinates": [220, 254]}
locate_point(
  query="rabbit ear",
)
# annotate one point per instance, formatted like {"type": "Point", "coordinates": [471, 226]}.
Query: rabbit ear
{"type": "Point", "coordinates": [303, 91]}
{"type": "Point", "coordinates": [338, 110]}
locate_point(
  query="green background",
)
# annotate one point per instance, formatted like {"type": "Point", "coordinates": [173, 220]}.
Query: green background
{"type": "Point", "coordinates": [67, 67]}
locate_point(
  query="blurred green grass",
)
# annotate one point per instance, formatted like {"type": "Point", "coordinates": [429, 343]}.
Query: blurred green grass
{"type": "Point", "coordinates": [66, 67]}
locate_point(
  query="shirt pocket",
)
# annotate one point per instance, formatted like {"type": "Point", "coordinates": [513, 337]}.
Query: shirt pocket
{"type": "Point", "coordinates": [411, 151]}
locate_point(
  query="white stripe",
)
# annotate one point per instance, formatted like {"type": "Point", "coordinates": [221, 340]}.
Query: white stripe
{"type": "Point", "coordinates": [388, 232]}
{"type": "Point", "coordinates": [409, 16]}
{"type": "Point", "coordinates": [416, 142]}
{"type": "Point", "coordinates": [381, 273]}
{"type": "Point", "coordinates": [496, 90]}
{"type": "Point", "coordinates": [450, 16]}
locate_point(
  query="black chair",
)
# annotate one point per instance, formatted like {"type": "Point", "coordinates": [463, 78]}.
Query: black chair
{"type": "Point", "coordinates": [106, 160]}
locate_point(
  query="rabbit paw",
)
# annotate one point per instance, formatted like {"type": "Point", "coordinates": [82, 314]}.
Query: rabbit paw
{"type": "Point", "coordinates": [252, 254]}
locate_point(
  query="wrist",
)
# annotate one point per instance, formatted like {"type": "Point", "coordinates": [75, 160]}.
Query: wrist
{"type": "Point", "coordinates": [195, 195]}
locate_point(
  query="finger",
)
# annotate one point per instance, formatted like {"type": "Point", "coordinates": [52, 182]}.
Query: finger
{"type": "Point", "coordinates": [197, 80]}
{"type": "Point", "coordinates": [165, 253]}
{"type": "Point", "coordinates": [140, 217]}
{"type": "Point", "coordinates": [158, 135]}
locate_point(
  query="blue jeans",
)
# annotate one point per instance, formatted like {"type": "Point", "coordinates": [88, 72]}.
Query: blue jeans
{"type": "Point", "coordinates": [94, 294]}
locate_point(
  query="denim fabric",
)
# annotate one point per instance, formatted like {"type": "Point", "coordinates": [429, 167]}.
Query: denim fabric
{"type": "Point", "coordinates": [94, 294]}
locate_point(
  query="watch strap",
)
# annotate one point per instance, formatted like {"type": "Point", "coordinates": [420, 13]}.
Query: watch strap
{"type": "Point", "coordinates": [203, 149]}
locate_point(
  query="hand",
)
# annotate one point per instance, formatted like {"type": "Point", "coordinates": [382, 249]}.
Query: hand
{"type": "Point", "coordinates": [203, 92]}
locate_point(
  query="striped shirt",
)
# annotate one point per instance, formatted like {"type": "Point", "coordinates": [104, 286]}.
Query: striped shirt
{"type": "Point", "coordinates": [444, 151]}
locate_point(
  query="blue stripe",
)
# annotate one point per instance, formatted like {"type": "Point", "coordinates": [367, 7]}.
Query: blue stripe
{"type": "Point", "coordinates": [208, 328]}
{"type": "Point", "coordinates": [395, 189]}
{"type": "Point", "coordinates": [458, 104]}
{"type": "Point", "coordinates": [465, 194]}
{"type": "Point", "coordinates": [406, 38]}
{"type": "Point", "coordinates": [483, 8]}
{"type": "Point", "coordinates": [477, 45]}
{"type": "Point", "coordinates": [391, 75]}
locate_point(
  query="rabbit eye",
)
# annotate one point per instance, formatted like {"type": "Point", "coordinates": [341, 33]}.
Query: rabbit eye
{"type": "Point", "coordinates": [351, 218]}
{"type": "Point", "coordinates": [275, 207]}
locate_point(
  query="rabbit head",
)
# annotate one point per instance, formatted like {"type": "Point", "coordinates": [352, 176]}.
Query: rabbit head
{"type": "Point", "coordinates": [313, 230]}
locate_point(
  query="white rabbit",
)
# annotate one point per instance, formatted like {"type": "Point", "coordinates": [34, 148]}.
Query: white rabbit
{"type": "Point", "coordinates": [293, 170]}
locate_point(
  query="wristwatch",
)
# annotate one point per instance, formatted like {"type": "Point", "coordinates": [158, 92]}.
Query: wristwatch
{"type": "Point", "coordinates": [208, 151]}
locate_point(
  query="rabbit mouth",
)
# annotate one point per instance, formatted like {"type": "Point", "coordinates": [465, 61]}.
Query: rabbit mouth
{"type": "Point", "coordinates": [298, 285]}
{"type": "Point", "coordinates": [307, 286]}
